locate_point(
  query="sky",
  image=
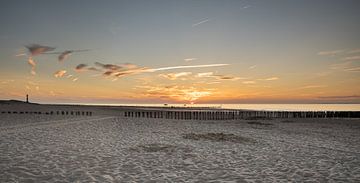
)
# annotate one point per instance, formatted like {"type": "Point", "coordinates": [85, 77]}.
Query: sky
{"type": "Point", "coordinates": [171, 51]}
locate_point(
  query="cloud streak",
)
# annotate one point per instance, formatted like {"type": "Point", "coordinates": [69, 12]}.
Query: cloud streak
{"type": "Point", "coordinates": [36, 49]}
{"type": "Point", "coordinates": [174, 76]}
{"type": "Point", "coordinates": [340, 97]}
{"type": "Point", "coordinates": [351, 58]}
{"type": "Point", "coordinates": [271, 79]}
{"type": "Point", "coordinates": [217, 76]}
{"type": "Point", "coordinates": [65, 54]}
{"type": "Point", "coordinates": [190, 59]}
{"type": "Point", "coordinates": [113, 70]}
{"type": "Point", "coordinates": [185, 67]}
{"type": "Point", "coordinates": [200, 22]}
{"type": "Point", "coordinates": [312, 86]}
{"type": "Point", "coordinates": [60, 73]}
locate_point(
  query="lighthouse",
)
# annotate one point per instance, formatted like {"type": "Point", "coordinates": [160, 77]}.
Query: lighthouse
{"type": "Point", "coordinates": [27, 98]}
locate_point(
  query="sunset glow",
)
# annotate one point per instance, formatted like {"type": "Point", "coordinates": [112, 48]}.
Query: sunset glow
{"type": "Point", "coordinates": [181, 52]}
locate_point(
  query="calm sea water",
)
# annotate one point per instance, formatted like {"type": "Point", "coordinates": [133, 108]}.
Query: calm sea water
{"type": "Point", "coordinates": [276, 107]}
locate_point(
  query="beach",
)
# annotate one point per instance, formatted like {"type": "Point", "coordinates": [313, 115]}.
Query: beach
{"type": "Point", "coordinates": [108, 147]}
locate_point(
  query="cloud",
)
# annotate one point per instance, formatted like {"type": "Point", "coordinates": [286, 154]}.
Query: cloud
{"type": "Point", "coordinates": [354, 51]}
{"type": "Point", "coordinates": [331, 53]}
{"type": "Point", "coordinates": [354, 69]}
{"type": "Point", "coordinates": [253, 67]}
{"type": "Point", "coordinates": [246, 7]}
{"type": "Point", "coordinates": [190, 59]}
{"type": "Point", "coordinates": [200, 22]}
{"type": "Point", "coordinates": [217, 76]}
{"type": "Point", "coordinates": [80, 67]}
{"type": "Point", "coordinates": [121, 70]}
{"type": "Point", "coordinates": [249, 82]}
{"type": "Point", "coordinates": [271, 79]}
{"type": "Point", "coordinates": [341, 65]}
{"type": "Point", "coordinates": [351, 58]}
{"type": "Point", "coordinates": [60, 73]}
{"type": "Point", "coordinates": [346, 66]}
{"type": "Point", "coordinates": [8, 81]}
{"type": "Point", "coordinates": [174, 76]}
{"type": "Point", "coordinates": [108, 66]}
{"type": "Point", "coordinates": [205, 74]}
{"type": "Point", "coordinates": [339, 52]}
{"type": "Point", "coordinates": [185, 67]}
{"type": "Point", "coordinates": [340, 97]}
{"type": "Point", "coordinates": [36, 49]}
{"type": "Point", "coordinates": [32, 63]}
{"type": "Point", "coordinates": [312, 86]}
{"type": "Point", "coordinates": [65, 54]}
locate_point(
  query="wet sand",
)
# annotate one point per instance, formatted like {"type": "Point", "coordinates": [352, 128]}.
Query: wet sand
{"type": "Point", "coordinates": [110, 148]}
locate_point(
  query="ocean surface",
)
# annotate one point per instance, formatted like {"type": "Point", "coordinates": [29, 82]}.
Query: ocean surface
{"type": "Point", "coordinates": [273, 107]}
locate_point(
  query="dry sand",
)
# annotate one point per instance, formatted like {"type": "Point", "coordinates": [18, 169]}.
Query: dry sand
{"type": "Point", "coordinates": [110, 148]}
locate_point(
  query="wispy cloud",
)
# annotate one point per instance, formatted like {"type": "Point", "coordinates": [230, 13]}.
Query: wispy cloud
{"type": "Point", "coordinates": [341, 66]}
{"type": "Point", "coordinates": [339, 52]}
{"type": "Point", "coordinates": [346, 66]}
{"type": "Point", "coordinates": [81, 67]}
{"type": "Point", "coordinates": [341, 97]}
{"type": "Point", "coordinates": [36, 49]}
{"type": "Point", "coordinates": [200, 22]}
{"type": "Point", "coordinates": [271, 79]}
{"type": "Point", "coordinates": [7, 81]}
{"type": "Point", "coordinates": [217, 76]}
{"type": "Point", "coordinates": [174, 76]}
{"type": "Point", "coordinates": [351, 58]}
{"type": "Point", "coordinates": [185, 67]}
{"type": "Point", "coordinates": [312, 86]}
{"type": "Point", "coordinates": [354, 69]}
{"type": "Point", "coordinates": [60, 73]}
{"type": "Point", "coordinates": [190, 59]}
{"type": "Point", "coordinates": [330, 53]}
{"type": "Point", "coordinates": [253, 67]}
{"type": "Point", "coordinates": [249, 82]}
{"type": "Point", "coordinates": [65, 54]}
{"type": "Point", "coordinates": [246, 7]}
{"type": "Point", "coordinates": [354, 51]}
{"type": "Point", "coordinates": [32, 63]}
{"type": "Point", "coordinates": [114, 70]}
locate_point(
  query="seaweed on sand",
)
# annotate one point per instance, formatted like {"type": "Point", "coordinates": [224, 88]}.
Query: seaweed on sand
{"type": "Point", "coordinates": [217, 137]}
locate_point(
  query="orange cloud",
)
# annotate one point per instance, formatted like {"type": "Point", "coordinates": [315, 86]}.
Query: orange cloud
{"type": "Point", "coordinates": [60, 73]}
{"type": "Point", "coordinates": [174, 76]}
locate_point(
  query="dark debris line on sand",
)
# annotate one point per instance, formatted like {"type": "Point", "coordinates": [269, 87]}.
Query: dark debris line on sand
{"type": "Point", "coordinates": [217, 137]}
{"type": "Point", "coordinates": [259, 123]}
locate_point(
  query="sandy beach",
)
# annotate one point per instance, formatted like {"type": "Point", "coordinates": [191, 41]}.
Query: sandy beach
{"type": "Point", "coordinates": [107, 147]}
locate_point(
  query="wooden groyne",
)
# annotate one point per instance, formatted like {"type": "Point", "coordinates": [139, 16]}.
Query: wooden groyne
{"type": "Point", "coordinates": [237, 114]}
{"type": "Point", "coordinates": [74, 113]}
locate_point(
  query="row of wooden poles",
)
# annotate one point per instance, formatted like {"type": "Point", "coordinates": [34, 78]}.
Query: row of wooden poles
{"type": "Point", "coordinates": [230, 115]}
{"type": "Point", "coordinates": [76, 113]}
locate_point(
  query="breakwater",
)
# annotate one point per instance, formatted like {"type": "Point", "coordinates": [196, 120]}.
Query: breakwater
{"type": "Point", "coordinates": [75, 113]}
{"type": "Point", "coordinates": [236, 114]}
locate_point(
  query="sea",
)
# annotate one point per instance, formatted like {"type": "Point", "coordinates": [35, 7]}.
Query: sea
{"type": "Point", "coordinates": [265, 107]}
